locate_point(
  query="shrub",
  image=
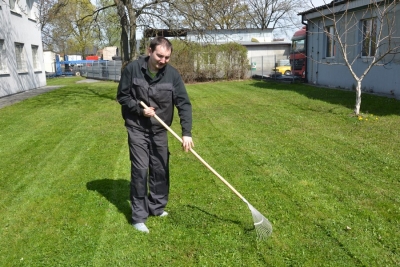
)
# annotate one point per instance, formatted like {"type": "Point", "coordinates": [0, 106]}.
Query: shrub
{"type": "Point", "coordinates": [197, 62]}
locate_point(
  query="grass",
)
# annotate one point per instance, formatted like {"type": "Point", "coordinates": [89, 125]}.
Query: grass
{"type": "Point", "coordinates": [328, 181]}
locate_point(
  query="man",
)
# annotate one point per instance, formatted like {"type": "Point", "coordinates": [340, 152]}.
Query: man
{"type": "Point", "coordinates": [160, 87]}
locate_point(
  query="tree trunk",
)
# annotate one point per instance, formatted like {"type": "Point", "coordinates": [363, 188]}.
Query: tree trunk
{"type": "Point", "coordinates": [358, 98]}
{"type": "Point", "coordinates": [124, 46]}
{"type": "Point", "coordinates": [124, 33]}
{"type": "Point", "coordinates": [132, 31]}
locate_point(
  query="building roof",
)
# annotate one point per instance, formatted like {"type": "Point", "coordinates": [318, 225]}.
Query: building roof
{"type": "Point", "coordinates": [337, 6]}
{"type": "Point", "coordinates": [165, 32]}
{"type": "Point", "coordinates": [151, 32]}
{"type": "Point", "coordinates": [264, 43]}
{"type": "Point", "coordinates": [324, 6]}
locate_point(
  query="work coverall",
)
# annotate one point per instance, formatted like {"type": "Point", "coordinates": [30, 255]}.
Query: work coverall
{"type": "Point", "coordinates": [147, 138]}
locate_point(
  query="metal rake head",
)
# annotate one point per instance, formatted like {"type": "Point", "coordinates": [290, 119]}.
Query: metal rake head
{"type": "Point", "coordinates": [261, 224]}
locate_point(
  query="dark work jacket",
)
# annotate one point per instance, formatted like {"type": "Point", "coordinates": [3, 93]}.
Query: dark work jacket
{"type": "Point", "coordinates": [163, 92]}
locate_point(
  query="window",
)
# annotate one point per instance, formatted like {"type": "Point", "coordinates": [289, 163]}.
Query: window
{"type": "Point", "coordinates": [14, 6]}
{"type": "Point", "coordinates": [3, 58]}
{"type": "Point", "coordinates": [35, 57]}
{"type": "Point", "coordinates": [31, 7]}
{"type": "Point", "coordinates": [19, 56]}
{"type": "Point", "coordinates": [368, 37]}
{"type": "Point", "coordinates": [330, 41]}
{"type": "Point", "coordinates": [299, 45]}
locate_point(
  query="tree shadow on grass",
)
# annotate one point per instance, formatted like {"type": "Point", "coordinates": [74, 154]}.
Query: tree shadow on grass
{"type": "Point", "coordinates": [115, 191]}
{"type": "Point", "coordinates": [370, 103]}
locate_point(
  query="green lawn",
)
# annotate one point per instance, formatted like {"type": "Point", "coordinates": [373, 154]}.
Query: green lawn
{"type": "Point", "coordinates": [328, 181]}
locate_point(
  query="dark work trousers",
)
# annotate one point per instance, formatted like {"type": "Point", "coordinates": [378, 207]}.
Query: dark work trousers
{"type": "Point", "coordinates": [149, 157]}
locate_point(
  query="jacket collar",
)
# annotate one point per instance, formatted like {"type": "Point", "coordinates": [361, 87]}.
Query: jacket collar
{"type": "Point", "coordinates": [143, 61]}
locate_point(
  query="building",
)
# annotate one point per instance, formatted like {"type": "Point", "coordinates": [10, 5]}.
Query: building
{"type": "Point", "coordinates": [263, 51]}
{"type": "Point", "coordinates": [108, 53]}
{"type": "Point", "coordinates": [21, 52]}
{"type": "Point", "coordinates": [360, 26]}
{"type": "Point", "coordinates": [227, 35]}
{"type": "Point", "coordinates": [257, 41]}
{"type": "Point", "coordinates": [49, 59]}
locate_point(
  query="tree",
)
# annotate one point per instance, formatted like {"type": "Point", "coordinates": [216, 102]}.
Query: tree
{"type": "Point", "coordinates": [71, 30]}
{"type": "Point", "coordinates": [277, 14]}
{"type": "Point", "coordinates": [133, 14]}
{"type": "Point", "coordinates": [366, 33]}
{"type": "Point", "coordinates": [48, 12]}
{"type": "Point", "coordinates": [239, 14]}
{"type": "Point", "coordinates": [107, 24]}
{"type": "Point", "coordinates": [64, 27]}
{"type": "Point", "coordinates": [212, 15]}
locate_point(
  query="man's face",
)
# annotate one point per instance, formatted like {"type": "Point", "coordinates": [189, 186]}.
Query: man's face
{"type": "Point", "coordinates": [159, 57]}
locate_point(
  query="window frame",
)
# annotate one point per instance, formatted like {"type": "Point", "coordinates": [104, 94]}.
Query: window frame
{"type": "Point", "coordinates": [20, 57]}
{"type": "Point", "coordinates": [31, 10]}
{"type": "Point", "coordinates": [35, 57]}
{"type": "Point", "coordinates": [3, 58]}
{"type": "Point", "coordinates": [368, 27]}
{"type": "Point", "coordinates": [330, 44]}
{"type": "Point", "coordinates": [14, 6]}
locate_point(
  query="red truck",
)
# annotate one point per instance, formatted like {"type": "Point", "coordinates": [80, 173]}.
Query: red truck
{"type": "Point", "coordinates": [298, 56]}
{"type": "Point", "coordinates": [92, 57]}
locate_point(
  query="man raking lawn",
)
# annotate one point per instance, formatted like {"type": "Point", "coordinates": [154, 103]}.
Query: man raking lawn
{"type": "Point", "coordinates": [261, 224]}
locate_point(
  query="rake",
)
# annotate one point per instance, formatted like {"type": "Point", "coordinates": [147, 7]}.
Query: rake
{"type": "Point", "coordinates": [261, 224]}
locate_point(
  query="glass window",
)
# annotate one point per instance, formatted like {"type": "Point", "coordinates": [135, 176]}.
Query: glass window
{"type": "Point", "coordinates": [3, 58]}
{"type": "Point", "coordinates": [368, 37]}
{"type": "Point", "coordinates": [298, 45]}
{"type": "Point", "coordinates": [14, 6]}
{"type": "Point", "coordinates": [30, 9]}
{"type": "Point", "coordinates": [35, 57]}
{"type": "Point", "coordinates": [19, 56]}
{"type": "Point", "coordinates": [330, 41]}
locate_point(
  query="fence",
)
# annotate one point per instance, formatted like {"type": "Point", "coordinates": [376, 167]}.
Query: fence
{"type": "Point", "coordinates": [260, 67]}
{"type": "Point", "coordinates": [108, 70]}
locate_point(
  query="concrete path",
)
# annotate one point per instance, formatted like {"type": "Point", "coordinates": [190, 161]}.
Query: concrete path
{"type": "Point", "coordinates": [18, 97]}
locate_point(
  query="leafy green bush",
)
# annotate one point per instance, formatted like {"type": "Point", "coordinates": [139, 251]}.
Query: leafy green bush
{"type": "Point", "coordinates": [197, 62]}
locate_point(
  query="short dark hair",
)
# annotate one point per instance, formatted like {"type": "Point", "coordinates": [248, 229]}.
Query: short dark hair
{"type": "Point", "coordinates": [159, 40]}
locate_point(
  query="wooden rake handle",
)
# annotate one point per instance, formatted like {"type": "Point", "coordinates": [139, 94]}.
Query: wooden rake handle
{"type": "Point", "coordinates": [197, 156]}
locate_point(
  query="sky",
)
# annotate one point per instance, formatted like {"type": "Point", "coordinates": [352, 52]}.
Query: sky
{"type": "Point", "coordinates": [320, 2]}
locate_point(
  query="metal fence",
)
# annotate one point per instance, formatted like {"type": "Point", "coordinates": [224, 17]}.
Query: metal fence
{"type": "Point", "coordinates": [260, 67]}
{"type": "Point", "coordinates": [108, 70]}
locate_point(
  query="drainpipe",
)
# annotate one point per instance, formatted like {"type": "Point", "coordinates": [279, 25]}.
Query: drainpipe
{"type": "Point", "coordinates": [306, 47]}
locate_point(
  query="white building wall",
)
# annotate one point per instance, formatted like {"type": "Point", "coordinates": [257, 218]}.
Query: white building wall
{"type": "Point", "coordinates": [49, 59]}
{"type": "Point", "coordinates": [268, 49]}
{"type": "Point", "coordinates": [109, 52]}
{"type": "Point", "coordinates": [19, 26]}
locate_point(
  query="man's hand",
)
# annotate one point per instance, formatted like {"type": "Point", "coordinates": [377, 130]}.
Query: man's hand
{"type": "Point", "coordinates": [149, 112]}
{"type": "Point", "coordinates": [187, 143]}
